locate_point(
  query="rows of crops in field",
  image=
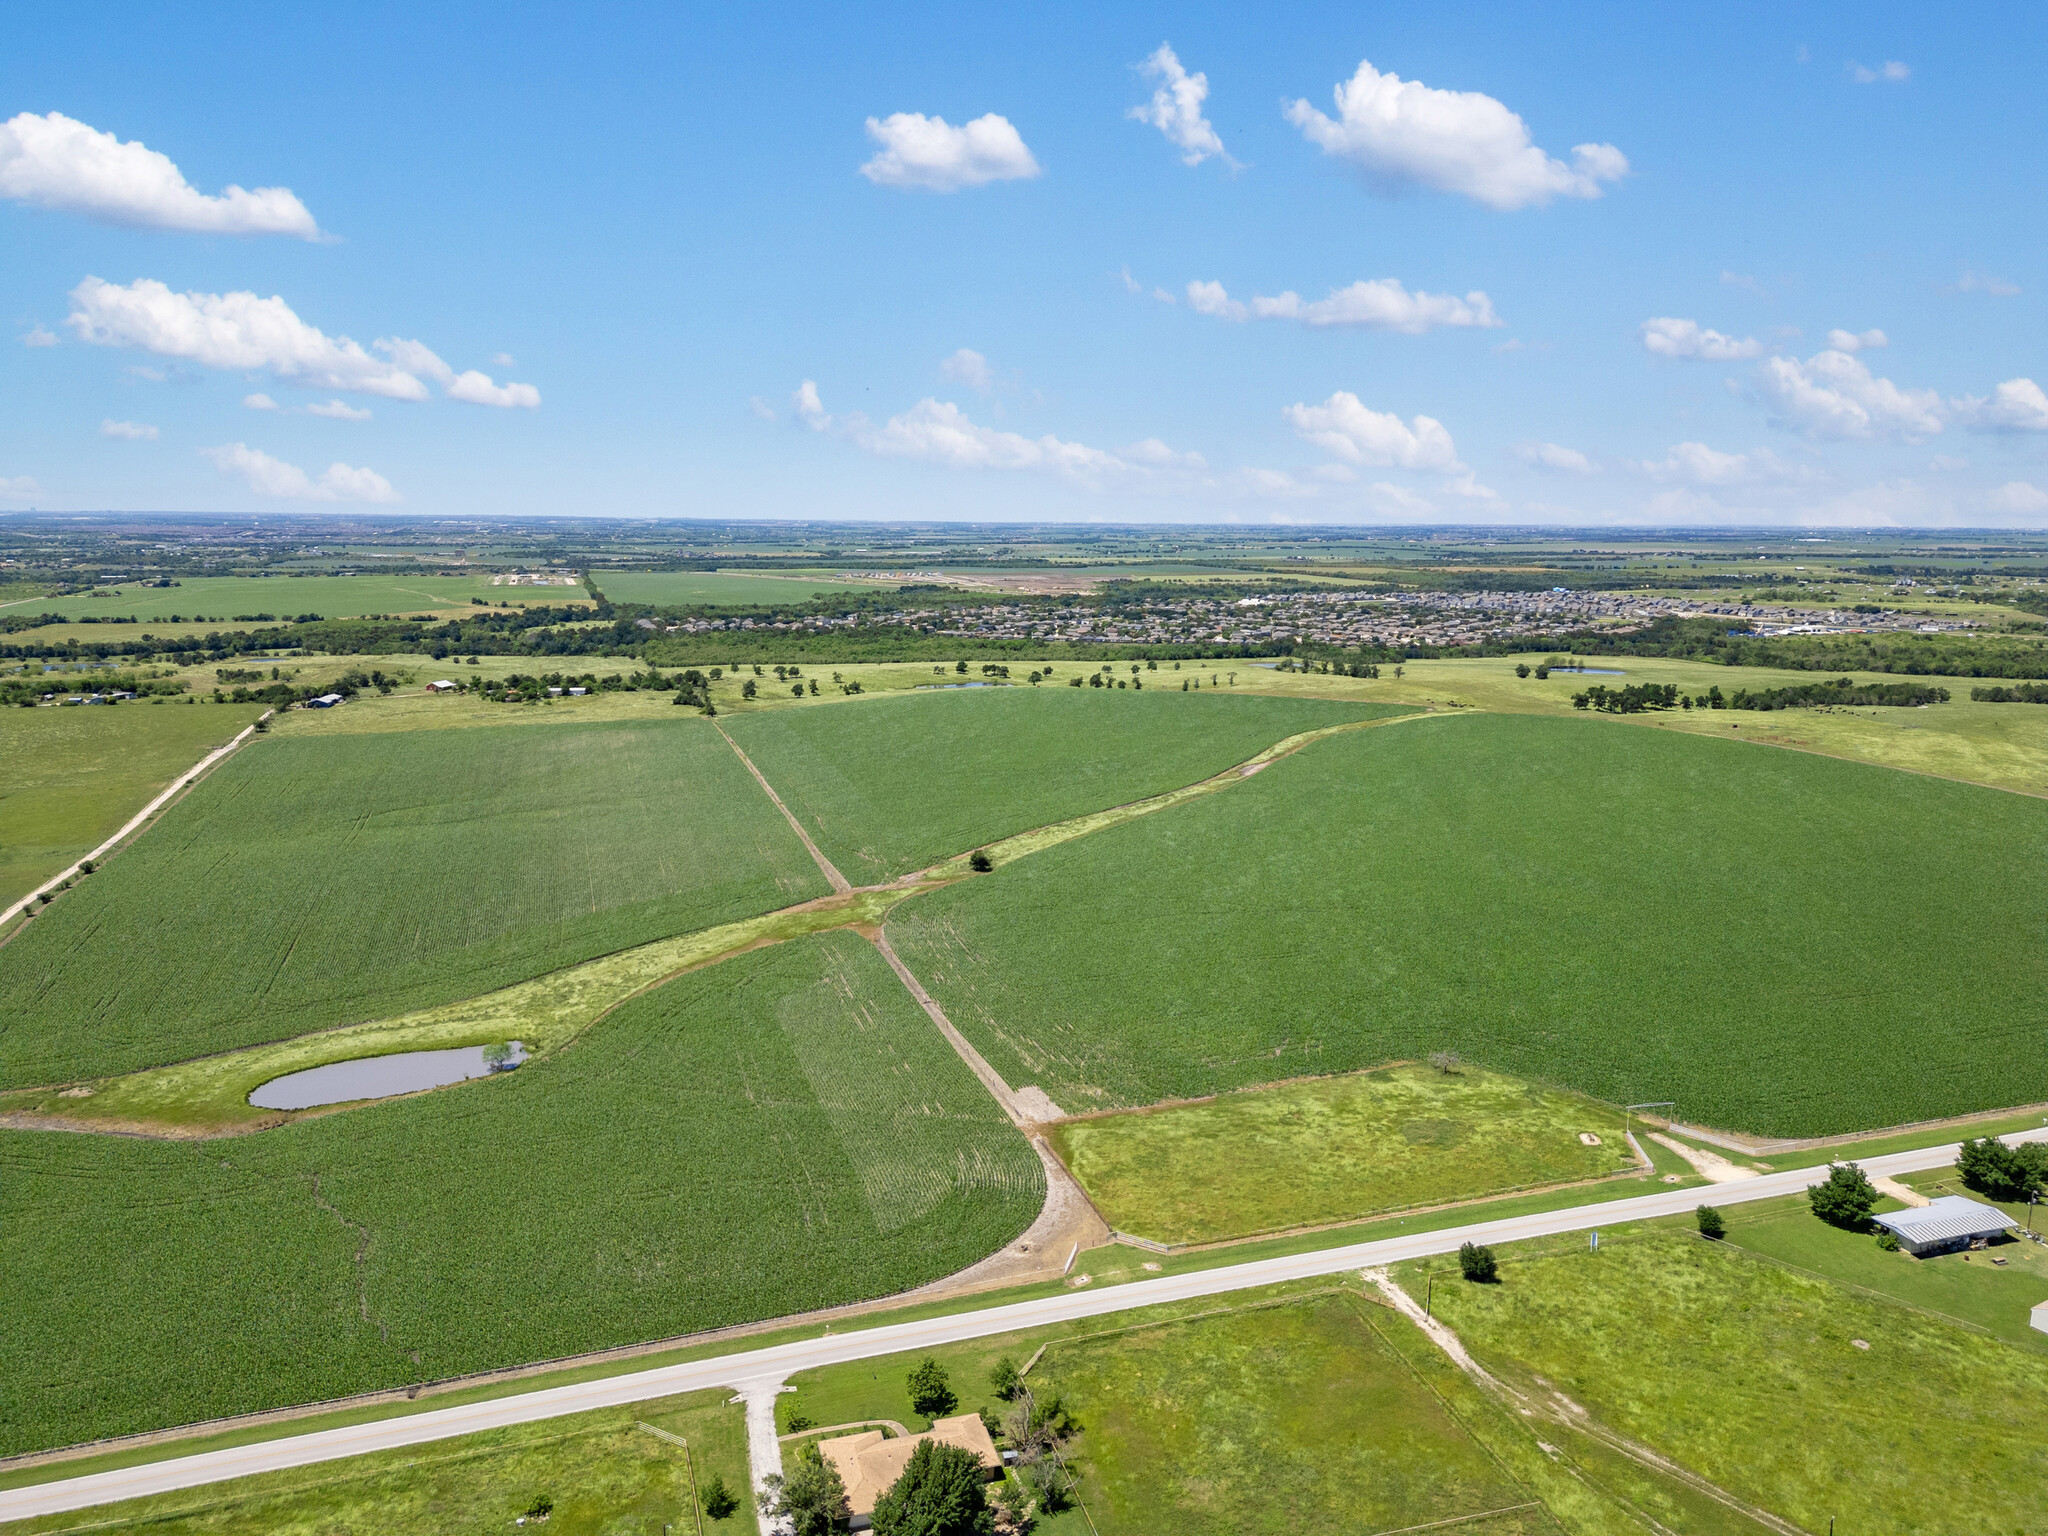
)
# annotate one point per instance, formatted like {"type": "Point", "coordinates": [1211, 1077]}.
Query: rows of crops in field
{"type": "Point", "coordinates": [895, 784]}
{"type": "Point", "coordinates": [1779, 942]}
{"type": "Point", "coordinates": [698, 1159]}
{"type": "Point", "coordinates": [321, 881]}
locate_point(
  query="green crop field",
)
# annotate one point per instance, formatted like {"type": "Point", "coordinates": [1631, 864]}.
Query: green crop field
{"type": "Point", "coordinates": [780, 1132]}
{"type": "Point", "coordinates": [321, 881]}
{"type": "Point", "coordinates": [896, 784]}
{"type": "Point", "coordinates": [224, 598]}
{"type": "Point", "coordinates": [74, 776]}
{"type": "Point", "coordinates": [1748, 1373]}
{"type": "Point", "coordinates": [689, 589]}
{"type": "Point", "coordinates": [1780, 942]}
{"type": "Point", "coordinates": [606, 1475]}
{"type": "Point", "coordinates": [1333, 1149]}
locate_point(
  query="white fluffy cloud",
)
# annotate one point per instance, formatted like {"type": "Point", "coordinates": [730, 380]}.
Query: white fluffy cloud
{"type": "Point", "coordinates": [1857, 341]}
{"type": "Point", "coordinates": [39, 336]}
{"type": "Point", "coordinates": [1556, 458]}
{"type": "Point", "coordinates": [1834, 395]}
{"type": "Point", "coordinates": [2017, 405]}
{"type": "Point", "coordinates": [1669, 337]}
{"type": "Point", "coordinates": [1983, 282]}
{"type": "Point", "coordinates": [273, 477]}
{"type": "Point", "coordinates": [968, 367]}
{"type": "Point", "coordinates": [1697, 464]}
{"type": "Point", "coordinates": [259, 402]}
{"type": "Point", "coordinates": [242, 332]}
{"type": "Point", "coordinates": [338, 410]}
{"type": "Point", "coordinates": [1890, 72]}
{"type": "Point", "coordinates": [131, 431]}
{"type": "Point", "coordinates": [1380, 305]}
{"type": "Point", "coordinates": [2018, 496]}
{"type": "Point", "coordinates": [1176, 108]}
{"type": "Point", "coordinates": [18, 488]}
{"type": "Point", "coordinates": [1400, 131]}
{"type": "Point", "coordinates": [1344, 426]}
{"type": "Point", "coordinates": [55, 161]}
{"type": "Point", "coordinates": [930, 154]}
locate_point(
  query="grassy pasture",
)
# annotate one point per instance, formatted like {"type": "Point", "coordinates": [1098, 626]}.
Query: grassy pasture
{"type": "Point", "coordinates": [1333, 1149]}
{"type": "Point", "coordinates": [783, 1132]}
{"type": "Point", "coordinates": [220, 599]}
{"type": "Point", "coordinates": [314, 883]}
{"type": "Point", "coordinates": [75, 775]}
{"type": "Point", "coordinates": [1271, 1411]}
{"type": "Point", "coordinates": [689, 589]}
{"type": "Point", "coordinates": [896, 784]}
{"type": "Point", "coordinates": [1781, 942]}
{"type": "Point", "coordinates": [607, 1476]}
{"type": "Point", "coordinates": [1746, 1372]}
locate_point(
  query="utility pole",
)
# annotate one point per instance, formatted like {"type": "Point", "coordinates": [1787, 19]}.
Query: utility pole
{"type": "Point", "coordinates": [1429, 1296]}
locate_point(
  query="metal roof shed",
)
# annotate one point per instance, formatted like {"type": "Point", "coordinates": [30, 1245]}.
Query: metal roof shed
{"type": "Point", "coordinates": [1940, 1225]}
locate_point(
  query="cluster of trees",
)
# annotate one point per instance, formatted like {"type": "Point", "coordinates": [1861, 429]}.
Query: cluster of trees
{"type": "Point", "coordinates": [28, 691]}
{"type": "Point", "coordinates": [1841, 691]}
{"type": "Point", "coordinates": [283, 693]}
{"type": "Point", "coordinates": [2022, 693]}
{"type": "Point", "coordinates": [1339, 666]}
{"type": "Point", "coordinates": [1992, 1168]}
{"type": "Point", "coordinates": [1635, 699]}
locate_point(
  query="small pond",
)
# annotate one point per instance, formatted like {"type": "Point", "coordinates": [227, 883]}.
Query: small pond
{"type": "Point", "coordinates": [378, 1077]}
{"type": "Point", "coordinates": [1592, 671]}
{"type": "Point", "coordinates": [922, 686]}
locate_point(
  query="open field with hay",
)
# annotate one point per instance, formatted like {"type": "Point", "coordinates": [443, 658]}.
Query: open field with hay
{"type": "Point", "coordinates": [1751, 1374]}
{"type": "Point", "coordinates": [1334, 1149]}
{"type": "Point", "coordinates": [225, 600]}
{"type": "Point", "coordinates": [312, 883]}
{"type": "Point", "coordinates": [690, 589]}
{"type": "Point", "coordinates": [900, 783]}
{"type": "Point", "coordinates": [75, 776]}
{"type": "Point", "coordinates": [604, 1473]}
{"type": "Point", "coordinates": [783, 1132]}
{"type": "Point", "coordinates": [1780, 942]}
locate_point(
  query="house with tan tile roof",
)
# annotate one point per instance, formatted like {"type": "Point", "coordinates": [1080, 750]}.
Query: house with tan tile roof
{"type": "Point", "coordinates": [869, 1464]}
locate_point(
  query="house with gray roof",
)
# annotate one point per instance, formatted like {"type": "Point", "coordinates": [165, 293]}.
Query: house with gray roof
{"type": "Point", "coordinates": [1944, 1225]}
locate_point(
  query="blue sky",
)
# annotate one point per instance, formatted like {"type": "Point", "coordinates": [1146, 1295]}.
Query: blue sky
{"type": "Point", "coordinates": [609, 248]}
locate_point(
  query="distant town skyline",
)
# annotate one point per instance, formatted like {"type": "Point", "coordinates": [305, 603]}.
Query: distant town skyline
{"type": "Point", "coordinates": [1748, 266]}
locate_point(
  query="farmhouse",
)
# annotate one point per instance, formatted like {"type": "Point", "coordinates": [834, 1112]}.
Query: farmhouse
{"type": "Point", "coordinates": [869, 1465]}
{"type": "Point", "coordinates": [325, 701]}
{"type": "Point", "coordinates": [442, 685]}
{"type": "Point", "coordinates": [1944, 1225]}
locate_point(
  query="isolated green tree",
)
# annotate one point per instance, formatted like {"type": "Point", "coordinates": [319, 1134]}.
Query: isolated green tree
{"type": "Point", "coordinates": [797, 689]}
{"type": "Point", "coordinates": [1478, 1264]}
{"type": "Point", "coordinates": [1521, 669]}
{"type": "Point", "coordinates": [931, 1394]}
{"type": "Point", "coordinates": [747, 688]}
{"type": "Point", "coordinates": [960, 666]}
{"type": "Point", "coordinates": [1005, 1378]}
{"type": "Point", "coordinates": [1845, 1199]}
{"type": "Point", "coordinates": [719, 1500]}
{"type": "Point", "coordinates": [942, 1492]}
{"type": "Point", "coordinates": [810, 1496]}
{"type": "Point", "coordinates": [1711, 1224]}
{"type": "Point", "coordinates": [1445, 1061]}
{"type": "Point", "coordinates": [980, 862]}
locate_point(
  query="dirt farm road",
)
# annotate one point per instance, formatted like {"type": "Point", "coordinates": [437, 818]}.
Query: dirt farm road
{"type": "Point", "coordinates": [752, 1369]}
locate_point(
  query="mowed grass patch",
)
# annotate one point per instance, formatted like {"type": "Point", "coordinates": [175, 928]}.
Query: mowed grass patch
{"type": "Point", "coordinates": [606, 1476]}
{"type": "Point", "coordinates": [1333, 1149]}
{"type": "Point", "coordinates": [1969, 1286]}
{"type": "Point", "coordinates": [317, 882]}
{"type": "Point", "coordinates": [74, 776]}
{"type": "Point", "coordinates": [1780, 942]}
{"type": "Point", "coordinates": [782, 1132]}
{"type": "Point", "coordinates": [1749, 1374]}
{"type": "Point", "coordinates": [892, 785]}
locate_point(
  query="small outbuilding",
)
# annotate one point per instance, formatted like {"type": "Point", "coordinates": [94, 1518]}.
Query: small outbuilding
{"type": "Point", "coordinates": [325, 701]}
{"type": "Point", "coordinates": [1944, 1225]}
{"type": "Point", "coordinates": [442, 685]}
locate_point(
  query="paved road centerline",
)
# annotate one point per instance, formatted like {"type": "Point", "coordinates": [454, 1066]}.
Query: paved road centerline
{"type": "Point", "coordinates": [777, 1362]}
